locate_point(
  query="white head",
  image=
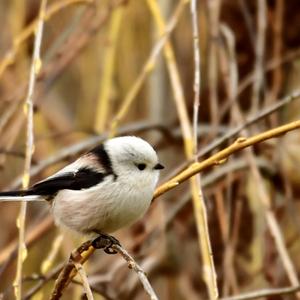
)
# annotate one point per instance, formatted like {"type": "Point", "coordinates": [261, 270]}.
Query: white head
{"type": "Point", "coordinates": [134, 159]}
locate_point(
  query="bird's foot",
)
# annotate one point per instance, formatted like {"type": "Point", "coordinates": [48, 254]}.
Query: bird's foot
{"type": "Point", "coordinates": [105, 242]}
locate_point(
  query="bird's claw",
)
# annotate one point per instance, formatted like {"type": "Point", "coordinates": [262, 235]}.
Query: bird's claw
{"type": "Point", "coordinates": [105, 242]}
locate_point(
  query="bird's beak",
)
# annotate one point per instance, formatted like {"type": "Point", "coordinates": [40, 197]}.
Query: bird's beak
{"type": "Point", "coordinates": [158, 167]}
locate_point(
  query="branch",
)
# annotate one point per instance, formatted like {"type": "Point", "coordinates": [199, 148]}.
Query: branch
{"type": "Point", "coordinates": [132, 264]}
{"type": "Point", "coordinates": [81, 254]}
{"type": "Point", "coordinates": [147, 68]}
{"type": "Point", "coordinates": [253, 119]}
{"type": "Point", "coordinates": [28, 108]}
{"type": "Point", "coordinates": [26, 33]}
{"type": "Point", "coordinates": [222, 155]}
{"type": "Point", "coordinates": [265, 293]}
{"type": "Point", "coordinates": [84, 279]}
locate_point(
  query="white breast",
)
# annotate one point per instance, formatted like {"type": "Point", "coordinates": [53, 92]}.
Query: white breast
{"type": "Point", "coordinates": [105, 208]}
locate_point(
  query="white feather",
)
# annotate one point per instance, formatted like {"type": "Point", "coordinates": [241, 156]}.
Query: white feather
{"type": "Point", "coordinates": [21, 198]}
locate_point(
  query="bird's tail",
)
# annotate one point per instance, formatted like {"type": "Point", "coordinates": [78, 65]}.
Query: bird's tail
{"type": "Point", "coordinates": [25, 195]}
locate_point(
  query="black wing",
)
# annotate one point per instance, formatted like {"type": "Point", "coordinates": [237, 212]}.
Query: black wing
{"type": "Point", "coordinates": [82, 179]}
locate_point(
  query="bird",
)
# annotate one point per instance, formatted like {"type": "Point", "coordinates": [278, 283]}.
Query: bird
{"type": "Point", "coordinates": [107, 188]}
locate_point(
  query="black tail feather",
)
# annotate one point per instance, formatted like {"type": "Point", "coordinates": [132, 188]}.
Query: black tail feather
{"type": "Point", "coordinates": [16, 193]}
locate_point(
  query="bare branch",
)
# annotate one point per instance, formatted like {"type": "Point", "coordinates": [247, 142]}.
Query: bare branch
{"type": "Point", "coordinates": [264, 293]}
{"type": "Point", "coordinates": [35, 69]}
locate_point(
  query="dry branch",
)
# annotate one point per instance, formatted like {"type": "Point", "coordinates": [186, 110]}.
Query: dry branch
{"type": "Point", "coordinates": [190, 146]}
{"type": "Point", "coordinates": [264, 293]}
{"type": "Point", "coordinates": [81, 254]}
{"type": "Point", "coordinates": [28, 107]}
{"type": "Point", "coordinates": [222, 155]}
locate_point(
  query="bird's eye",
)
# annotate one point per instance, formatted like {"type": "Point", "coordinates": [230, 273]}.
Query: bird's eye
{"type": "Point", "coordinates": [141, 167]}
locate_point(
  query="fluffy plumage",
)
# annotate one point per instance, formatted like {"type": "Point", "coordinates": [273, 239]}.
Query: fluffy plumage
{"type": "Point", "coordinates": [107, 188]}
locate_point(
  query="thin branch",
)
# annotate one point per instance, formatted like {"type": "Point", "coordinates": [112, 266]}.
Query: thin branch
{"type": "Point", "coordinates": [51, 275]}
{"type": "Point", "coordinates": [35, 69]}
{"type": "Point", "coordinates": [222, 155]}
{"type": "Point", "coordinates": [132, 264]}
{"type": "Point", "coordinates": [248, 20]}
{"type": "Point", "coordinates": [197, 73]}
{"type": "Point", "coordinates": [213, 24]}
{"type": "Point", "coordinates": [264, 293]}
{"type": "Point", "coordinates": [259, 52]}
{"type": "Point", "coordinates": [131, 95]}
{"type": "Point", "coordinates": [249, 121]}
{"type": "Point", "coordinates": [52, 255]}
{"type": "Point", "coordinates": [84, 279]}
{"type": "Point", "coordinates": [254, 118]}
{"type": "Point", "coordinates": [262, 194]}
{"type": "Point", "coordinates": [104, 94]}
{"type": "Point", "coordinates": [9, 56]}
{"type": "Point", "coordinates": [81, 254]}
{"type": "Point", "coordinates": [271, 65]}
{"type": "Point", "coordinates": [33, 234]}
{"type": "Point", "coordinates": [209, 272]}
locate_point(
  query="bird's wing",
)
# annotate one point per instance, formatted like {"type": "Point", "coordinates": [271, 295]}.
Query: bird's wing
{"type": "Point", "coordinates": [81, 179]}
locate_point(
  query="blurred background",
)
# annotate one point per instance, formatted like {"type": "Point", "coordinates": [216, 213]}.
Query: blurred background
{"type": "Point", "coordinates": [104, 70]}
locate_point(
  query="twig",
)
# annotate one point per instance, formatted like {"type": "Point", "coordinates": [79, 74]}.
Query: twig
{"type": "Point", "coordinates": [132, 264]}
{"type": "Point", "coordinates": [209, 272]}
{"type": "Point", "coordinates": [277, 75]}
{"type": "Point", "coordinates": [173, 73]}
{"type": "Point", "coordinates": [272, 64]}
{"type": "Point", "coordinates": [50, 258]}
{"type": "Point", "coordinates": [9, 252]}
{"type": "Point", "coordinates": [10, 55]}
{"type": "Point", "coordinates": [35, 68]}
{"type": "Point", "coordinates": [264, 293]}
{"type": "Point", "coordinates": [213, 21]}
{"type": "Point", "coordinates": [84, 280]}
{"type": "Point", "coordinates": [51, 275]}
{"type": "Point", "coordinates": [81, 254]}
{"type": "Point", "coordinates": [19, 93]}
{"type": "Point", "coordinates": [104, 97]}
{"type": "Point", "coordinates": [131, 95]}
{"type": "Point", "coordinates": [222, 155]}
{"type": "Point", "coordinates": [262, 194]}
{"type": "Point", "coordinates": [197, 73]}
{"type": "Point", "coordinates": [259, 53]}
{"type": "Point", "coordinates": [249, 121]}
{"type": "Point", "coordinates": [248, 20]}
{"type": "Point", "coordinates": [230, 70]}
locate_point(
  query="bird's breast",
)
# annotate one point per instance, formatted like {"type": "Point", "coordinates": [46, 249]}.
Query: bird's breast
{"type": "Point", "coordinates": [106, 208]}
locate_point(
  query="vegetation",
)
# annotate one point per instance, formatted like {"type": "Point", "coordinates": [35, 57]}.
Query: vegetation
{"type": "Point", "coordinates": [201, 81]}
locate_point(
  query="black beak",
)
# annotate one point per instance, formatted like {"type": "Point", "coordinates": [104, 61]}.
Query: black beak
{"type": "Point", "coordinates": [158, 167]}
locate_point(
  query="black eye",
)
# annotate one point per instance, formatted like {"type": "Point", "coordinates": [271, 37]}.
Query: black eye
{"type": "Point", "coordinates": [141, 167]}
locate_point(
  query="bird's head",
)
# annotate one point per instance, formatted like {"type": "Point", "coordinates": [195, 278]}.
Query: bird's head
{"type": "Point", "coordinates": [134, 159]}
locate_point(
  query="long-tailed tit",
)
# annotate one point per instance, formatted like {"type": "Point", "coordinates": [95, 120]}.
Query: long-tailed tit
{"type": "Point", "coordinates": [105, 189]}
